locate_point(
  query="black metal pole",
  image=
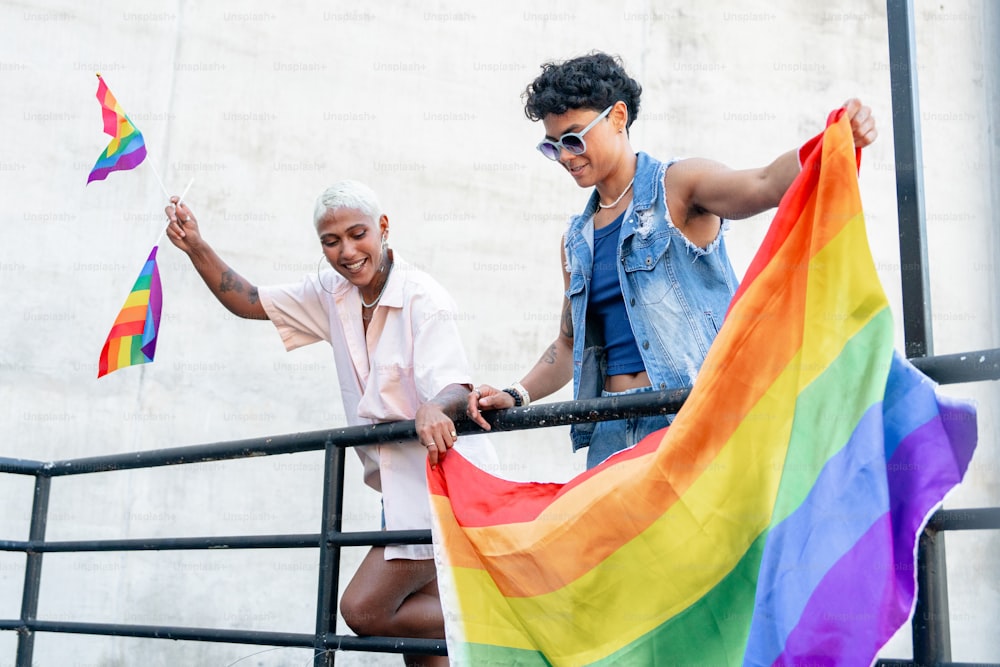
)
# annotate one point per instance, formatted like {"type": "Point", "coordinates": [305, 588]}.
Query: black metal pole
{"type": "Point", "coordinates": [33, 573]}
{"type": "Point", "coordinates": [931, 624]}
{"type": "Point", "coordinates": [909, 179]}
{"type": "Point", "coordinates": [329, 553]}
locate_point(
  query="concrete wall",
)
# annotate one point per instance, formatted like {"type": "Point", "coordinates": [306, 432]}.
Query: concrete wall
{"type": "Point", "coordinates": [263, 105]}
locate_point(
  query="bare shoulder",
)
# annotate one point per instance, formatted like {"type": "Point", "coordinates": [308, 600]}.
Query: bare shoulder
{"type": "Point", "coordinates": [683, 183]}
{"type": "Point", "coordinates": [682, 177]}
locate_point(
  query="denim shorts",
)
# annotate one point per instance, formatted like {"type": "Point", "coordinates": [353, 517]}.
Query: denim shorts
{"type": "Point", "coordinates": [613, 436]}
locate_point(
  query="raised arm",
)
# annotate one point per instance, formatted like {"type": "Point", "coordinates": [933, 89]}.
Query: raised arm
{"type": "Point", "coordinates": [230, 288]}
{"type": "Point", "coordinates": [700, 192]}
{"type": "Point", "coordinates": [549, 374]}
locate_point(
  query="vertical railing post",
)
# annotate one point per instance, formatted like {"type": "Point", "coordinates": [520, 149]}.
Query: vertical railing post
{"type": "Point", "coordinates": [33, 571]}
{"type": "Point", "coordinates": [914, 276]}
{"type": "Point", "coordinates": [329, 554]}
{"type": "Point", "coordinates": [931, 624]}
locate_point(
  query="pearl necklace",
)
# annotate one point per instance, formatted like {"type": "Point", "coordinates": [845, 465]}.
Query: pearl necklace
{"type": "Point", "coordinates": [380, 293]}
{"type": "Point", "coordinates": [615, 202]}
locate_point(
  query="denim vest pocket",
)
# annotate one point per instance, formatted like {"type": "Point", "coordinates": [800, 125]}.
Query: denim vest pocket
{"type": "Point", "coordinates": [713, 328]}
{"type": "Point", "coordinates": [648, 273]}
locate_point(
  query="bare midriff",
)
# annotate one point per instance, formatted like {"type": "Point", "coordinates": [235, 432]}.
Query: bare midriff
{"type": "Point", "coordinates": [626, 381]}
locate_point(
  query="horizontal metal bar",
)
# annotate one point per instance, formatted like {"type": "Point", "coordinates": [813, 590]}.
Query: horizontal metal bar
{"type": "Point", "coordinates": [21, 466]}
{"type": "Point", "coordinates": [962, 367]}
{"type": "Point", "coordinates": [263, 638]}
{"type": "Point", "coordinates": [219, 451]}
{"type": "Point", "coordinates": [535, 416]}
{"type": "Point", "coordinates": [167, 543]}
{"type": "Point", "coordinates": [300, 541]}
{"type": "Point", "coordinates": [985, 518]}
{"type": "Point", "coordinates": [386, 644]}
{"type": "Point", "coordinates": [564, 413]}
{"type": "Point", "coordinates": [380, 538]}
{"type": "Point", "coordinates": [171, 632]}
{"type": "Point", "coordinates": [963, 519]}
{"type": "Point", "coordinates": [945, 369]}
{"type": "Point", "coordinates": [225, 635]}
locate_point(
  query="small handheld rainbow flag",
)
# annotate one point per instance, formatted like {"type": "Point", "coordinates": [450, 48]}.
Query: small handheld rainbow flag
{"type": "Point", "coordinates": [774, 523]}
{"type": "Point", "coordinates": [127, 148]}
{"type": "Point", "coordinates": [132, 339]}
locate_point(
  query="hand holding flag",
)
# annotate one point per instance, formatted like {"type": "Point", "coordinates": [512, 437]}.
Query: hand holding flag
{"type": "Point", "coordinates": [132, 340]}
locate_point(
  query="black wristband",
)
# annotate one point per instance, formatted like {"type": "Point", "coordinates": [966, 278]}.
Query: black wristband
{"type": "Point", "coordinates": [516, 396]}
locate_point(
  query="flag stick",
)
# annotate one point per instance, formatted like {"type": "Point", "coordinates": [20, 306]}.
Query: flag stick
{"type": "Point", "coordinates": [179, 200]}
{"type": "Point", "coordinates": [152, 165]}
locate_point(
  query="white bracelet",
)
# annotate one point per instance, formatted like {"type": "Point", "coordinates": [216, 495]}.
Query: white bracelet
{"type": "Point", "coordinates": [525, 397]}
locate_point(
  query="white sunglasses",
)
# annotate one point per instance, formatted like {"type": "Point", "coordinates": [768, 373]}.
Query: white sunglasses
{"type": "Point", "coordinates": [572, 141]}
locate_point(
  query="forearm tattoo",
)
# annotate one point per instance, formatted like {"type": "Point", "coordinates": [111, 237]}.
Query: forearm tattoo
{"type": "Point", "coordinates": [550, 354]}
{"type": "Point", "coordinates": [230, 282]}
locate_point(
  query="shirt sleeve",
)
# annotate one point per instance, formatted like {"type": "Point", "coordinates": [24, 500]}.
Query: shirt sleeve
{"type": "Point", "coordinates": [299, 312]}
{"type": "Point", "coordinates": [438, 353]}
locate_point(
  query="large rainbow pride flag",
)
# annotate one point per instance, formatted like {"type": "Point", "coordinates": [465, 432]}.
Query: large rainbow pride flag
{"type": "Point", "coordinates": [132, 339]}
{"type": "Point", "coordinates": [774, 523]}
{"type": "Point", "coordinates": [127, 148]}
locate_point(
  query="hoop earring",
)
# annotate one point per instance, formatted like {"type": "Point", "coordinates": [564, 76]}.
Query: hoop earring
{"type": "Point", "coordinates": [385, 253]}
{"type": "Point", "coordinates": [319, 278]}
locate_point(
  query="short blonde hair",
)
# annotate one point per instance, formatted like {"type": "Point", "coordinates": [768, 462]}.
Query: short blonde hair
{"type": "Point", "coordinates": [347, 194]}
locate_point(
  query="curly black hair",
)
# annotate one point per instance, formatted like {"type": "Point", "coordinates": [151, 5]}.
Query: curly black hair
{"type": "Point", "coordinates": [595, 81]}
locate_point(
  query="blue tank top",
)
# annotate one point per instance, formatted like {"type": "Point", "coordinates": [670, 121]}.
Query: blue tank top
{"type": "Point", "coordinates": [607, 305]}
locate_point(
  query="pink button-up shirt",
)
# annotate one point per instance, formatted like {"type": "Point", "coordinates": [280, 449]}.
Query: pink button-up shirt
{"type": "Point", "coordinates": [411, 351]}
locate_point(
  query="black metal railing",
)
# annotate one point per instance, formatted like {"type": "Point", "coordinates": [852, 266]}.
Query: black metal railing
{"type": "Point", "coordinates": [331, 539]}
{"type": "Point", "coordinates": [931, 623]}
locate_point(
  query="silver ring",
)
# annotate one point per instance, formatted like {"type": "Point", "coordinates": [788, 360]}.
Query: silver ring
{"type": "Point", "coordinates": [187, 218]}
{"type": "Point", "coordinates": [430, 444]}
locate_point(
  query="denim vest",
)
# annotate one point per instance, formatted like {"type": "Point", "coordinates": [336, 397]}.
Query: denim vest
{"type": "Point", "coordinates": [676, 294]}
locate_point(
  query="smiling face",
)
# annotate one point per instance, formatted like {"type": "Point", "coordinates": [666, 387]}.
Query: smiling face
{"type": "Point", "coordinates": [604, 144]}
{"type": "Point", "coordinates": [352, 243]}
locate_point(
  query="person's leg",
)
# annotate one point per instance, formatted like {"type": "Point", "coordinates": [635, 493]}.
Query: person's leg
{"type": "Point", "coordinates": [395, 598]}
{"type": "Point", "coordinates": [416, 660]}
{"type": "Point", "coordinates": [640, 427]}
{"type": "Point", "coordinates": [608, 438]}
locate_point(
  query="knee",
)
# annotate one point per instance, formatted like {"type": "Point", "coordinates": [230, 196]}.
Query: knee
{"type": "Point", "coordinates": [359, 614]}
